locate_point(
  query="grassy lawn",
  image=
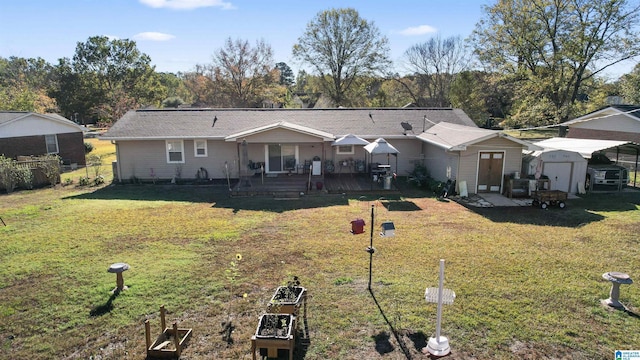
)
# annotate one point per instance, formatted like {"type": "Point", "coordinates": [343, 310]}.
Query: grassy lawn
{"type": "Point", "coordinates": [528, 281]}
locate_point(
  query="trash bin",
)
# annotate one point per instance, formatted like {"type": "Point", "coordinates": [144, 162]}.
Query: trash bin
{"type": "Point", "coordinates": [319, 185]}
{"type": "Point", "coordinates": [387, 182]}
{"type": "Point", "coordinates": [357, 226]}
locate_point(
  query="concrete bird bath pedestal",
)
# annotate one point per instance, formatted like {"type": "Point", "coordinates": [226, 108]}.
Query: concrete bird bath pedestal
{"type": "Point", "coordinates": [616, 279]}
{"type": "Point", "coordinates": [118, 269]}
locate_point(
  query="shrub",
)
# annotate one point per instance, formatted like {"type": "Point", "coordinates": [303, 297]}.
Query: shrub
{"type": "Point", "coordinates": [88, 147]}
{"type": "Point", "coordinates": [24, 177]}
{"type": "Point", "coordinates": [8, 174]}
{"type": "Point", "coordinates": [419, 175]}
{"type": "Point", "coordinates": [50, 166]}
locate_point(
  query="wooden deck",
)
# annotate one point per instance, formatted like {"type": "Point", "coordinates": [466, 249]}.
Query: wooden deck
{"type": "Point", "coordinates": [294, 185]}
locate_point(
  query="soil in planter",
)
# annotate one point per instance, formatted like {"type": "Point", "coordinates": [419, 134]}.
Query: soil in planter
{"type": "Point", "coordinates": [274, 326]}
{"type": "Point", "coordinates": [288, 294]}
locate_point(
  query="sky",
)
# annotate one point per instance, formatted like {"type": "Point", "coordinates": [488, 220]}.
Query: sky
{"type": "Point", "coordinates": [179, 34]}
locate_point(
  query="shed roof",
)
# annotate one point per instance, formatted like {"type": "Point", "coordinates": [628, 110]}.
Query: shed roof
{"type": "Point", "coordinates": [368, 123]}
{"type": "Point", "coordinates": [454, 137]}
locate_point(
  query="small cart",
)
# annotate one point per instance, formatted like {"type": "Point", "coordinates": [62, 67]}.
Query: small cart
{"type": "Point", "coordinates": [544, 198]}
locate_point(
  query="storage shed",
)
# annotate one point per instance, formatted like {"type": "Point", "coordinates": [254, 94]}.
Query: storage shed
{"type": "Point", "coordinates": [564, 169]}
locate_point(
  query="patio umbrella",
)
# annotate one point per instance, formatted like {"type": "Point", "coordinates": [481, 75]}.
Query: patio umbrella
{"type": "Point", "coordinates": [349, 139]}
{"type": "Point", "coordinates": [381, 146]}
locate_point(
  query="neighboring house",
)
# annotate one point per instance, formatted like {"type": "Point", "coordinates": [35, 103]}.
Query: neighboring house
{"type": "Point", "coordinates": [32, 134]}
{"type": "Point", "coordinates": [616, 122]}
{"type": "Point", "coordinates": [165, 144]}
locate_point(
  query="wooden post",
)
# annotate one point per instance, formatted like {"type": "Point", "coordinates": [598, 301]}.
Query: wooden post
{"type": "Point", "coordinates": [147, 334]}
{"type": "Point", "coordinates": [163, 324]}
{"type": "Point", "coordinates": [176, 338]}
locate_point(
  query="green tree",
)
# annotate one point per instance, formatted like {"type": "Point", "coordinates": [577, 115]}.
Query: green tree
{"type": "Point", "coordinates": [467, 93]}
{"type": "Point", "coordinates": [630, 86]}
{"type": "Point", "coordinates": [553, 46]}
{"type": "Point", "coordinates": [106, 78]}
{"type": "Point", "coordinates": [24, 85]}
{"type": "Point", "coordinates": [340, 46]}
{"type": "Point", "coordinates": [286, 74]}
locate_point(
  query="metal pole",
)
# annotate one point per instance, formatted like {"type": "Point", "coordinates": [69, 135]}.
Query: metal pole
{"type": "Point", "coordinates": [370, 250]}
{"type": "Point", "coordinates": [440, 289]}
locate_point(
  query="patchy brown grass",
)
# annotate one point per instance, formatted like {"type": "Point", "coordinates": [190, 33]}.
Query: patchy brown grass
{"type": "Point", "coordinates": [528, 281]}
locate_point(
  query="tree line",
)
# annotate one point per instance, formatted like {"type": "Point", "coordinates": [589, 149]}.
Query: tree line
{"type": "Point", "coordinates": [527, 63]}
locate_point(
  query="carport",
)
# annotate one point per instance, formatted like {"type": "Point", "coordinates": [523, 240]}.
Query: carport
{"type": "Point", "coordinates": [587, 147]}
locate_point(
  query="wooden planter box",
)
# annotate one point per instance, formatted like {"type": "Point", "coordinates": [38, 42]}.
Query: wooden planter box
{"type": "Point", "coordinates": [274, 332]}
{"type": "Point", "coordinates": [287, 300]}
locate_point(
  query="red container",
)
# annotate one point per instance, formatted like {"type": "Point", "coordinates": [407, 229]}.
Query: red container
{"type": "Point", "coordinates": [357, 226]}
{"type": "Point", "coordinates": [319, 185]}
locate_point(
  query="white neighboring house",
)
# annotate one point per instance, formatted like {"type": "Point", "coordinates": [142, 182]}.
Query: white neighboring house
{"type": "Point", "coordinates": [616, 122]}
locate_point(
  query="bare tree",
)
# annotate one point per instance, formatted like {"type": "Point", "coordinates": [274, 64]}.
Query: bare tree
{"type": "Point", "coordinates": [434, 64]}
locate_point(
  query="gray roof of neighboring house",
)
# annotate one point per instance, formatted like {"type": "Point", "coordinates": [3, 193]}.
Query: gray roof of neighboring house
{"type": "Point", "coordinates": [632, 111]}
{"type": "Point", "coordinates": [368, 123]}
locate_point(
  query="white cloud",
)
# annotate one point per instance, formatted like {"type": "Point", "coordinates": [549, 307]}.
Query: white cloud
{"type": "Point", "coordinates": [187, 4]}
{"type": "Point", "coordinates": [418, 30]}
{"type": "Point", "coordinates": [153, 36]}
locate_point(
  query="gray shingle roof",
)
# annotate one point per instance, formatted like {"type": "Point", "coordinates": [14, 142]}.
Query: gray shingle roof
{"type": "Point", "coordinates": [198, 123]}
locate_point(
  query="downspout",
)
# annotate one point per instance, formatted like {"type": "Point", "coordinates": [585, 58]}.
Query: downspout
{"type": "Point", "coordinates": [635, 172]}
{"type": "Point", "coordinates": [118, 163]}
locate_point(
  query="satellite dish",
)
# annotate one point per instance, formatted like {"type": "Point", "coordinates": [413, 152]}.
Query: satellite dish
{"type": "Point", "coordinates": [407, 127]}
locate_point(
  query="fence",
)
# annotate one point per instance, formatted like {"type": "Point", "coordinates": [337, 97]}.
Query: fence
{"type": "Point", "coordinates": [36, 166]}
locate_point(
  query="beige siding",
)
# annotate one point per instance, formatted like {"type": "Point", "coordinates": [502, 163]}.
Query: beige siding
{"type": "Point", "coordinates": [442, 165]}
{"type": "Point", "coordinates": [469, 160]}
{"type": "Point", "coordinates": [279, 136]}
{"type": "Point", "coordinates": [138, 158]}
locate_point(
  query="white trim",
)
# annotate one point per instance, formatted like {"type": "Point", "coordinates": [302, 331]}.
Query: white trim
{"type": "Point", "coordinates": [169, 161]}
{"type": "Point", "coordinates": [504, 154]}
{"type": "Point", "coordinates": [195, 148]}
{"type": "Point", "coordinates": [283, 171]}
{"type": "Point", "coordinates": [282, 125]}
{"type": "Point", "coordinates": [338, 152]}
{"type": "Point", "coordinates": [55, 137]}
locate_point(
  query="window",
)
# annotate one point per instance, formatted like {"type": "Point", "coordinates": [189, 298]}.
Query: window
{"type": "Point", "coordinates": [200, 148]}
{"type": "Point", "coordinates": [52, 144]}
{"type": "Point", "coordinates": [344, 149]}
{"type": "Point", "coordinates": [175, 151]}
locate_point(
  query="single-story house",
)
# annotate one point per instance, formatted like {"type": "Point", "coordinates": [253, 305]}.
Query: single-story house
{"type": "Point", "coordinates": [216, 143]}
{"type": "Point", "coordinates": [616, 122]}
{"type": "Point", "coordinates": [33, 134]}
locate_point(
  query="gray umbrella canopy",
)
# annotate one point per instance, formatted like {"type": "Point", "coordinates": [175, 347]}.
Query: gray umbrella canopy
{"type": "Point", "coordinates": [381, 146]}
{"type": "Point", "coordinates": [349, 139]}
